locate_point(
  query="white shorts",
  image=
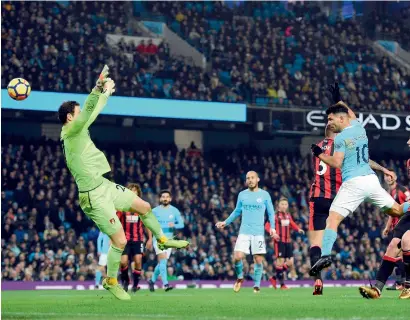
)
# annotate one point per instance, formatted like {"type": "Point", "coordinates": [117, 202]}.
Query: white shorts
{"type": "Point", "coordinates": [103, 259]}
{"type": "Point", "coordinates": [354, 192]}
{"type": "Point", "coordinates": [256, 244]}
{"type": "Point", "coordinates": [159, 251]}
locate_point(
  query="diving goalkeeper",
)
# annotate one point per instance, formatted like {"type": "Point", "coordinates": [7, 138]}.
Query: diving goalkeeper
{"type": "Point", "coordinates": [100, 198]}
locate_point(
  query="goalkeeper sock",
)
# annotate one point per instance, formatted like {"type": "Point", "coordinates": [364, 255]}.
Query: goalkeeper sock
{"type": "Point", "coordinates": [136, 274]}
{"type": "Point", "coordinates": [258, 270]}
{"type": "Point", "coordinates": [151, 222]}
{"type": "Point", "coordinates": [386, 269]}
{"type": "Point", "coordinates": [155, 274]}
{"type": "Point", "coordinates": [329, 239]}
{"type": "Point", "coordinates": [124, 275]}
{"type": "Point", "coordinates": [163, 271]}
{"type": "Point", "coordinates": [113, 263]}
{"type": "Point", "coordinates": [406, 260]}
{"type": "Point", "coordinates": [315, 253]}
{"type": "Point", "coordinates": [239, 269]}
{"type": "Point", "coordinates": [98, 276]}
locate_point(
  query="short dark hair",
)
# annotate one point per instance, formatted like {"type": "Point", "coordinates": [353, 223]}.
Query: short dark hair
{"type": "Point", "coordinates": [337, 108]}
{"type": "Point", "coordinates": [283, 199]}
{"type": "Point", "coordinates": [66, 108]}
{"type": "Point", "coordinates": [165, 191]}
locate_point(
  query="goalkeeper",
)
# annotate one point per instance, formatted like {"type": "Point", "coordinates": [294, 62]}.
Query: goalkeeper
{"type": "Point", "coordinates": [99, 197]}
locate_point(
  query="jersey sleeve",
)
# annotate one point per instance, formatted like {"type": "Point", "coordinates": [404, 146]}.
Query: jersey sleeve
{"type": "Point", "coordinates": [293, 224]}
{"type": "Point", "coordinates": [179, 222]}
{"type": "Point", "coordinates": [95, 101]}
{"type": "Point", "coordinates": [236, 213]}
{"type": "Point", "coordinates": [340, 144]}
{"type": "Point", "coordinates": [270, 210]}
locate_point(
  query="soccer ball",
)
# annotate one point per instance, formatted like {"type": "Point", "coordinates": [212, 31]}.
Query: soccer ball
{"type": "Point", "coordinates": [18, 89]}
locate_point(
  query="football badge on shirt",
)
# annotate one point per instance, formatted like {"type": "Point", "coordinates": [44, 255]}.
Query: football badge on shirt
{"type": "Point", "coordinates": [259, 200]}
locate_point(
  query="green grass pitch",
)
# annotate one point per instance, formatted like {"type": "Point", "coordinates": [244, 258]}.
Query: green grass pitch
{"type": "Point", "coordinates": [202, 304]}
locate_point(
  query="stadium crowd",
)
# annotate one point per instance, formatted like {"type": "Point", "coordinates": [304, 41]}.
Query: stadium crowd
{"type": "Point", "coordinates": [46, 236]}
{"type": "Point", "coordinates": [387, 26]}
{"type": "Point", "coordinates": [295, 51]}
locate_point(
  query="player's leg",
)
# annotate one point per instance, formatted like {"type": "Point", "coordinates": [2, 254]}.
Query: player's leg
{"type": "Point", "coordinates": [125, 277]}
{"type": "Point", "coordinates": [400, 273]}
{"type": "Point", "coordinates": [382, 199]}
{"type": "Point", "coordinates": [126, 200]}
{"type": "Point", "coordinates": [351, 194]}
{"type": "Point", "coordinates": [279, 267]}
{"type": "Point", "coordinates": [396, 210]}
{"type": "Point", "coordinates": [242, 247]}
{"type": "Point", "coordinates": [258, 271]}
{"type": "Point", "coordinates": [389, 260]}
{"type": "Point", "coordinates": [100, 272]}
{"type": "Point", "coordinates": [290, 264]}
{"type": "Point", "coordinates": [136, 273]}
{"type": "Point", "coordinates": [405, 245]}
{"type": "Point", "coordinates": [318, 213]}
{"type": "Point", "coordinates": [162, 269]}
{"type": "Point", "coordinates": [98, 205]}
{"type": "Point", "coordinates": [258, 247]}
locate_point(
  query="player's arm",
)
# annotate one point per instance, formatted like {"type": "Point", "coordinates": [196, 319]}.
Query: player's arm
{"type": "Point", "coordinates": [295, 227]}
{"type": "Point", "coordinates": [336, 160]}
{"type": "Point", "coordinates": [149, 240]}
{"type": "Point", "coordinates": [337, 99]}
{"type": "Point", "coordinates": [387, 227]}
{"type": "Point", "coordinates": [235, 214]}
{"type": "Point", "coordinates": [179, 222]}
{"type": "Point", "coordinates": [375, 166]}
{"type": "Point", "coordinates": [271, 217]}
{"type": "Point", "coordinates": [94, 103]}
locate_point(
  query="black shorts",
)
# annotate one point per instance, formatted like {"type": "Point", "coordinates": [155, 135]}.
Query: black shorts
{"type": "Point", "coordinates": [402, 227]}
{"type": "Point", "coordinates": [133, 248]}
{"type": "Point", "coordinates": [283, 250]}
{"type": "Point", "coordinates": [318, 213]}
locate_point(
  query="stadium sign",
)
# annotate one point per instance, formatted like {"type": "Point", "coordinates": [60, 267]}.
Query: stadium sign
{"type": "Point", "coordinates": [382, 121]}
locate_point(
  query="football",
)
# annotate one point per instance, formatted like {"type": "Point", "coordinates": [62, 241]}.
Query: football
{"type": "Point", "coordinates": [18, 89]}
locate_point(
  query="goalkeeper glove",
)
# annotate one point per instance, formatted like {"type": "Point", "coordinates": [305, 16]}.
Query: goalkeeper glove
{"type": "Point", "coordinates": [335, 92]}
{"type": "Point", "coordinates": [109, 87]}
{"type": "Point", "coordinates": [102, 78]}
{"type": "Point", "coordinates": [316, 150]}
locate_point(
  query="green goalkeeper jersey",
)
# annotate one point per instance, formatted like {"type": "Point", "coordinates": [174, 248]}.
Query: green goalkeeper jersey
{"type": "Point", "coordinates": [84, 160]}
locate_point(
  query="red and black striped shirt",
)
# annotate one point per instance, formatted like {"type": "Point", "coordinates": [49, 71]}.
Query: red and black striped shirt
{"type": "Point", "coordinates": [400, 194]}
{"type": "Point", "coordinates": [327, 180]}
{"type": "Point", "coordinates": [283, 223]}
{"type": "Point", "coordinates": [132, 224]}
